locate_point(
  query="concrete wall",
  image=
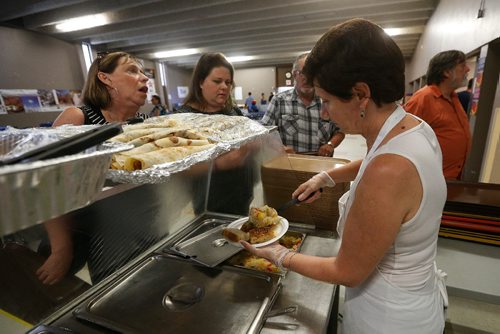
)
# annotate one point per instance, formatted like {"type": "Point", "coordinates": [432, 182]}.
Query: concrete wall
{"type": "Point", "coordinates": [454, 25]}
{"type": "Point", "coordinates": [176, 76]}
{"type": "Point", "coordinates": [256, 80]}
{"type": "Point", "coordinates": [32, 60]}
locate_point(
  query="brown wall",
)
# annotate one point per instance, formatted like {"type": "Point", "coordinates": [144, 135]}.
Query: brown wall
{"type": "Point", "coordinates": [280, 75]}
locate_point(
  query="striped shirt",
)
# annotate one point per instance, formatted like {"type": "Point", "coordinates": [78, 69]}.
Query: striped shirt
{"type": "Point", "coordinates": [300, 126]}
{"type": "Point", "coordinates": [94, 115]}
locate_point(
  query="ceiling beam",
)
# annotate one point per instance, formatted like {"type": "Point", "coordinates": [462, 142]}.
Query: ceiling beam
{"type": "Point", "coordinates": [91, 7]}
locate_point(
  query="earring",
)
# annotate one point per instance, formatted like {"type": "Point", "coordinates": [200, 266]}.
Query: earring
{"type": "Point", "coordinates": [362, 113]}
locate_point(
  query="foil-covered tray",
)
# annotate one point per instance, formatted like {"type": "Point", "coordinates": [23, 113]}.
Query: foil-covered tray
{"type": "Point", "coordinates": [36, 191]}
{"type": "Point", "coordinates": [226, 132]}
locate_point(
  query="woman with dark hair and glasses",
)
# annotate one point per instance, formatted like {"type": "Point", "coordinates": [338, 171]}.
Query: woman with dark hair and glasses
{"type": "Point", "coordinates": [389, 220]}
{"type": "Point", "coordinates": [211, 87]}
{"type": "Point", "coordinates": [114, 91]}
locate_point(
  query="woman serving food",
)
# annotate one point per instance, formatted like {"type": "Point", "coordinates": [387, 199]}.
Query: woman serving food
{"type": "Point", "coordinates": [390, 218]}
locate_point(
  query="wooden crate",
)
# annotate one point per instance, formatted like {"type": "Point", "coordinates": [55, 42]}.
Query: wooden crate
{"type": "Point", "coordinates": [281, 176]}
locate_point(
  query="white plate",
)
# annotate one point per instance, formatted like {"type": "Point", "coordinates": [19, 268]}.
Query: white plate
{"type": "Point", "coordinates": [280, 231]}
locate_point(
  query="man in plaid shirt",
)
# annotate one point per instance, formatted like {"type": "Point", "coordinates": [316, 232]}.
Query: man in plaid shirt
{"type": "Point", "coordinates": [301, 124]}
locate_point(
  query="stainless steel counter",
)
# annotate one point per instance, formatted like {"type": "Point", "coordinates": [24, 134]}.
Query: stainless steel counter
{"type": "Point", "coordinates": [314, 300]}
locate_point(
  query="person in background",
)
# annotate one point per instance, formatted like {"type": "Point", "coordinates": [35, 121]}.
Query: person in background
{"type": "Point", "coordinates": [158, 108]}
{"type": "Point", "coordinates": [248, 100]}
{"type": "Point", "coordinates": [263, 100]}
{"type": "Point", "coordinates": [297, 113]}
{"type": "Point", "coordinates": [211, 86]}
{"type": "Point", "coordinates": [253, 107]}
{"type": "Point", "coordinates": [438, 105]}
{"type": "Point", "coordinates": [271, 95]}
{"type": "Point", "coordinates": [210, 92]}
{"type": "Point", "coordinates": [465, 95]}
{"type": "Point", "coordinates": [389, 220]}
{"type": "Point", "coordinates": [114, 91]}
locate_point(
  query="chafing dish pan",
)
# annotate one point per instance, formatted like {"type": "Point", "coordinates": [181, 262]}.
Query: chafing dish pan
{"type": "Point", "coordinates": [165, 294]}
{"type": "Point", "coordinates": [208, 248]}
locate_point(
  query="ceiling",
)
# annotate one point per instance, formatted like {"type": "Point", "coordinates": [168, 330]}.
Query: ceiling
{"type": "Point", "coordinates": [273, 32]}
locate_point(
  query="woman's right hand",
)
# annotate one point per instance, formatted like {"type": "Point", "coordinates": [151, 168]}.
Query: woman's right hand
{"type": "Point", "coordinates": [312, 185]}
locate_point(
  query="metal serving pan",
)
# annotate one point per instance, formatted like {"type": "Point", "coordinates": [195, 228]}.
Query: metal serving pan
{"type": "Point", "coordinates": [168, 294]}
{"type": "Point", "coordinates": [205, 244]}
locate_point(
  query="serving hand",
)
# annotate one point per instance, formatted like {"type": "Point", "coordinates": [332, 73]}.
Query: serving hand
{"type": "Point", "coordinates": [312, 185]}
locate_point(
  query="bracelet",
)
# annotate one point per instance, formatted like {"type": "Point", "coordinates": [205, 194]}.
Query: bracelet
{"type": "Point", "coordinates": [290, 260]}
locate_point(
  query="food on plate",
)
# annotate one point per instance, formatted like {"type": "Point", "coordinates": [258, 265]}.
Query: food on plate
{"type": "Point", "coordinates": [235, 235]}
{"type": "Point", "coordinates": [261, 226]}
{"type": "Point", "coordinates": [264, 216]}
{"type": "Point", "coordinates": [262, 234]}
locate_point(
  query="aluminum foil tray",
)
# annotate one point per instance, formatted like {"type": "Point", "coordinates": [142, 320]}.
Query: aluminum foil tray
{"type": "Point", "coordinates": [227, 132]}
{"type": "Point", "coordinates": [36, 191]}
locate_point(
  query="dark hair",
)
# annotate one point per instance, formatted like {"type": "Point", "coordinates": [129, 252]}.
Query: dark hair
{"type": "Point", "coordinates": [206, 63]}
{"type": "Point", "coordinates": [156, 97]}
{"type": "Point", "coordinates": [357, 51]}
{"type": "Point", "coordinates": [442, 62]}
{"type": "Point", "coordinates": [95, 93]}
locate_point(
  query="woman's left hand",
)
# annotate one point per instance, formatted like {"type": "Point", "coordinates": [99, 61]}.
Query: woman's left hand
{"type": "Point", "coordinates": [272, 252]}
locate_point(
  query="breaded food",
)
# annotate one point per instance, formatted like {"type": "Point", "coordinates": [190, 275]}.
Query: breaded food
{"type": "Point", "coordinates": [235, 235]}
{"type": "Point", "coordinates": [262, 234]}
{"type": "Point", "coordinates": [263, 216]}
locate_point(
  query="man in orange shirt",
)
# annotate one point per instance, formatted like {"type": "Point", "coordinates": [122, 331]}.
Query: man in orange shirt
{"type": "Point", "coordinates": [438, 105]}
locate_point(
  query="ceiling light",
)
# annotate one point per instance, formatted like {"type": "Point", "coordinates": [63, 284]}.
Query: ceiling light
{"type": "Point", "coordinates": [393, 31]}
{"type": "Point", "coordinates": [238, 59]}
{"type": "Point", "coordinates": [404, 30]}
{"type": "Point", "coordinates": [175, 53]}
{"type": "Point", "coordinates": [82, 22]}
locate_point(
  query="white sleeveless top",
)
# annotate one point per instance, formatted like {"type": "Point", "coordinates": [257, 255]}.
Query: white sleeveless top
{"type": "Point", "coordinates": [403, 293]}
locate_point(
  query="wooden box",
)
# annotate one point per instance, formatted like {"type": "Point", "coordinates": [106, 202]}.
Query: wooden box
{"type": "Point", "coordinates": [281, 176]}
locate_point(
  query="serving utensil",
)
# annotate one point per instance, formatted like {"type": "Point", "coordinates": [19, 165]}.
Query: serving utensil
{"type": "Point", "coordinates": [295, 201]}
{"type": "Point", "coordinates": [67, 146]}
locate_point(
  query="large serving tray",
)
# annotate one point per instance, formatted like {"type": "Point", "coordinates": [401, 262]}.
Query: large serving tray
{"type": "Point", "coordinates": [165, 294]}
